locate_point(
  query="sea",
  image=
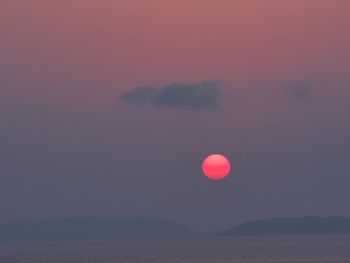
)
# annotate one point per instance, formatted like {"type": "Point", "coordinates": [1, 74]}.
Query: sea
{"type": "Point", "coordinates": [284, 249]}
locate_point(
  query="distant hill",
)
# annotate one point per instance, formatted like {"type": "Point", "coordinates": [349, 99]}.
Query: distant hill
{"type": "Point", "coordinates": [292, 226]}
{"type": "Point", "coordinates": [91, 229]}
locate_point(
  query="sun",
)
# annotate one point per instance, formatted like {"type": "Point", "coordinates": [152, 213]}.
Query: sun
{"type": "Point", "coordinates": [216, 166]}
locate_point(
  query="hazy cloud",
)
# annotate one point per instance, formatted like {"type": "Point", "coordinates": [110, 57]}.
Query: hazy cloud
{"type": "Point", "coordinates": [204, 95]}
{"type": "Point", "coordinates": [298, 90]}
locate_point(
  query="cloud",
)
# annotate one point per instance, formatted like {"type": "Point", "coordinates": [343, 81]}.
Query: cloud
{"type": "Point", "coordinates": [140, 95]}
{"type": "Point", "coordinates": [298, 90]}
{"type": "Point", "coordinates": [203, 95]}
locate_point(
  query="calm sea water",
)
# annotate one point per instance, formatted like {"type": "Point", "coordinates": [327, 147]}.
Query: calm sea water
{"type": "Point", "coordinates": [332, 249]}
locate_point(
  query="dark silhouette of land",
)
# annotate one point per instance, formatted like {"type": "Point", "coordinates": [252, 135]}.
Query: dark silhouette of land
{"type": "Point", "coordinates": [292, 226]}
{"type": "Point", "coordinates": [129, 228]}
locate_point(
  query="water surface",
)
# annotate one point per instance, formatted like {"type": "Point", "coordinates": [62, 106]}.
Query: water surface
{"type": "Point", "coordinates": [310, 249]}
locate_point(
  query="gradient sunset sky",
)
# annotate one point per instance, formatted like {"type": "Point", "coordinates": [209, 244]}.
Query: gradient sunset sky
{"type": "Point", "coordinates": [70, 146]}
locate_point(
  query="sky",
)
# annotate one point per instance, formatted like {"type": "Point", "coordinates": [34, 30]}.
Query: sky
{"type": "Point", "coordinates": [107, 108]}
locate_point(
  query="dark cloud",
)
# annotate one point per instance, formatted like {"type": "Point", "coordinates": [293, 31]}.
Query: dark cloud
{"type": "Point", "coordinates": [140, 95]}
{"type": "Point", "coordinates": [298, 90]}
{"type": "Point", "coordinates": [204, 95]}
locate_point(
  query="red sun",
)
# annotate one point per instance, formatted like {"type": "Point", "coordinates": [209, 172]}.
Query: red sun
{"type": "Point", "coordinates": [216, 167]}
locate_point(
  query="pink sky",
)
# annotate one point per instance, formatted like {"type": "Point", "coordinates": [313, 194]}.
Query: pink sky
{"type": "Point", "coordinates": [157, 42]}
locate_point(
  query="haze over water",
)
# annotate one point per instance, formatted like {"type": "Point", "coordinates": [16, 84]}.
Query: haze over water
{"type": "Point", "coordinates": [108, 108]}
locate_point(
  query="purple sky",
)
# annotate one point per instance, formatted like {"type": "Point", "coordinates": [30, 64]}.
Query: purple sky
{"type": "Point", "coordinates": [70, 146]}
